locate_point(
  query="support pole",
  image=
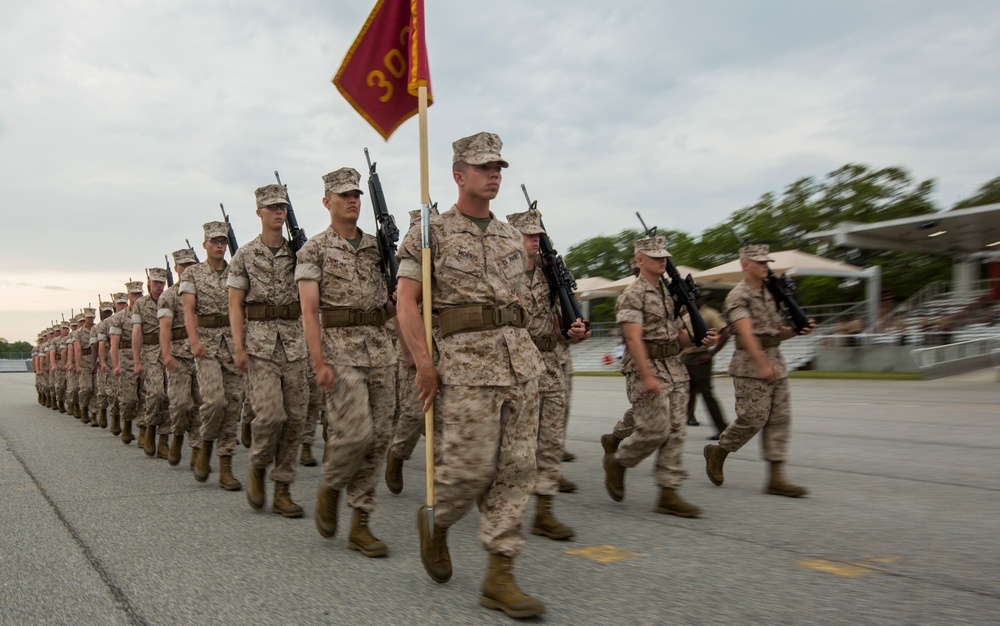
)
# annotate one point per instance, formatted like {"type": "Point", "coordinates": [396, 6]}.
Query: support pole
{"type": "Point", "coordinates": [425, 264]}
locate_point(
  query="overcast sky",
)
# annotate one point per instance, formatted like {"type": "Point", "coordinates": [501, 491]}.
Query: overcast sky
{"type": "Point", "coordinates": [124, 123]}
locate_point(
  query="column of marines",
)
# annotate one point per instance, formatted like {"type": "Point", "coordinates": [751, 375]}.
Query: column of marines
{"type": "Point", "coordinates": [283, 339]}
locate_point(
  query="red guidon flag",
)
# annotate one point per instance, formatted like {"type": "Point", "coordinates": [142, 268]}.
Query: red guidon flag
{"type": "Point", "coordinates": [386, 65]}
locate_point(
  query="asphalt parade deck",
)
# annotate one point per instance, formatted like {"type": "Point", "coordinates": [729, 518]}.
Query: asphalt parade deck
{"type": "Point", "coordinates": [901, 527]}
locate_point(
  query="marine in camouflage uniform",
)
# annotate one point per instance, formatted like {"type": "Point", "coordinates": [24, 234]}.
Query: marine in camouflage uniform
{"type": "Point", "coordinates": [122, 360]}
{"type": "Point", "coordinates": [205, 298]}
{"type": "Point", "coordinates": [84, 354]}
{"type": "Point", "coordinates": [345, 306]}
{"type": "Point", "coordinates": [112, 384]}
{"type": "Point", "coordinates": [149, 365]}
{"type": "Point", "coordinates": [543, 326]}
{"type": "Point", "coordinates": [62, 353]}
{"type": "Point", "coordinates": [175, 350]}
{"type": "Point", "coordinates": [98, 345]}
{"type": "Point", "coordinates": [656, 383]}
{"type": "Point", "coordinates": [485, 378]}
{"type": "Point", "coordinates": [261, 278]}
{"type": "Point", "coordinates": [760, 376]}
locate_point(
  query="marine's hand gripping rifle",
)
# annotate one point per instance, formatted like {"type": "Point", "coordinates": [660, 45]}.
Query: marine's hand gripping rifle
{"type": "Point", "coordinates": [233, 246]}
{"type": "Point", "coordinates": [683, 291]}
{"type": "Point", "coordinates": [561, 281]}
{"type": "Point", "coordinates": [386, 231]}
{"type": "Point", "coordinates": [296, 236]}
{"type": "Point", "coordinates": [782, 287]}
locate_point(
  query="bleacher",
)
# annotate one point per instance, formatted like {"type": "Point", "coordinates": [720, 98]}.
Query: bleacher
{"type": "Point", "coordinates": [15, 365]}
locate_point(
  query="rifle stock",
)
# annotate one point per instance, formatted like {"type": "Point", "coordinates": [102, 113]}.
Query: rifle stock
{"type": "Point", "coordinates": [296, 236]}
{"type": "Point", "coordinates": [191, 248]}
{"type": "Point", "coordinates": [386, 231]}
{"type": "Point", "coordinates": [233, 246]}
{"type": "Point", "coordinates": [170, 274]}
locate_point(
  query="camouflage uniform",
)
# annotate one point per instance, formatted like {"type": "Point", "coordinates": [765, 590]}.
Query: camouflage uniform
{"type": "Point", "coordinates": [86, 377]}
{"type": "Point", "coordinates": [360, 405]}
{"type": "Point", "coordinates": [760, 405]}
{"type": "Point", "coordinates": [128, 384]}
{"type": "Point", "coordinates": [182, 385]}
{"type": "Point", "coordinates": [313, 410]}
{"type": "Point", "coordinates": [108, 387]}
{"type": "Point", "coordinates": [154, 379]}
{"type": "Point", "coordinates": [220, 384]}
{"type": "Point", "coordinates": [488, 398]}
{"type": "Point", "coordinates": [62, 361]}
{"type": "Point", "coordinates": [279, 389]}
{"type": "Point", "coordinates": [658, 421]}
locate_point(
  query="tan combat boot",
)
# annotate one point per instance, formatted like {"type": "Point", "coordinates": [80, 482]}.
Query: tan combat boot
{"type": "Point", "coordinates": [714, 459]}
{"type": "Point", "coordinates": [433, 548]}
{"type": "Point", "coordinates": [95, 420]}
{"type": "Point", "coordinates": [671, 503]}
{"type": "Point", "coordinates": [116, 426]}
{"type": "Point", "coordinates": [163, 450]}
{"type": "Point", "coordinates": [500, 590]}
{"type": "Point", "coordinates": [778, 486]}
{"type": "Point", "coordinates": [176, 447]}
{"type": "Point", "coordinates": [203, 464]}
{"type": "Point", "coordinates": [568, 457]}
{"type": "Point", "coordinates": [127, 437]}
{"type": "Point", "coordinates": [102, 417]}
{"type": "Point", "coordinates": [325, 515]}
{"type": "Point", "coordinates": [283, 502]}
{"type": "Point", "coordinates": [610, 443]}
{"type": "Point", "coordinates": [149, 442]}
{"type": "Point", "coordinates": [306, 457]}
{"type": "Point", "coordinates": [614, 477]}
{"type": "Point", "coordinates": [393, 473]}
{"type": "Point", "coordinates": [361, 537]}
{"type": "Point", "coordinates": [226, 479]}
{"type": "Point", "coordinates": [246, 435]}
{"type": "Point", "coordinates": [546, 524]}
{"type": "Point", "coordinates": [62, 406]}
{"type": "Point", "coordinates": [141, 439]}
{"type": "Point", "coordinates": [566, 485]}
{"type": "Point", "coordinates": [255, 487]}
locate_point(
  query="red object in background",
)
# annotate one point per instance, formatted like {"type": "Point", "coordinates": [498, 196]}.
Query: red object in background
{"type": "Point", "coordinates": [386, 65]}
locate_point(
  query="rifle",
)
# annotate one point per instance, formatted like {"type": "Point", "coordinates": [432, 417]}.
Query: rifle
{"type": "Point", "coordinates": [781, 287]}
{"type": "Point", "coordinates": [170, 273]}
{"type": "Point", "coordinates": [561, 281]}
{"type": "Point", "coordinates": [296, 236]}
{"type": "Point", "coordinates": [386, 231]}
{"type": "Point", "coordinates": [191, 248]}
{"type": "Point", "coordinates": [233, 246]}
{"type": "Point", "coordinates": [683, 291]}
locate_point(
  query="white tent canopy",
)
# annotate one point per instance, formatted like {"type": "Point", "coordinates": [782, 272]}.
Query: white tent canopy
{"type": "Point", "coordinates": [593, 288]}
{"type": "Point", "coordinates": [792, 262]}
{"type": "Point", "coordinates": [620, 285]}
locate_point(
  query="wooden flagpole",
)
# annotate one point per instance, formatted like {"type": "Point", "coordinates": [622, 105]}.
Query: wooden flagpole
{"type": "Point", "coordinates": [425, 264]}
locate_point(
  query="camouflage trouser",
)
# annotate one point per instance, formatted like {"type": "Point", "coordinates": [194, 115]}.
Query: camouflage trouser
{"type": "Point", "coordinates": [409, 417]}
{"type": "Point", "coordinates": [279, 393]}
{"type": "Point", "coordinates": [359, 420]}
{"type": "Point", "coordinates": [488, 457]}
{"type": "Point", "coordinates": [102, 391]}
{"type": "Point", "coordinates": [246, 411]}
{"type": "Point", "coordinates": [60, 384]}
{"type": "Point", "coordinates": [183, 399]}
{"type": "Point", "coordinates": [154, 385]}
{"type": "Point", "coordinates": [659, 424]}
{"type": "Point", "coordinates": [568, 377]}
{"type": "Point", "coordinates": [128, 388]}
{"type": "Point", "coordinates": [72, 386]}
{"type": "Point", "coordinates": [551, 435]}
{"type": "Point", "coordinates": [85, 383]}
{"type": "Point", "coordinates": [760, 405]}
{"type": "Point", "coordinates": [313, 409]}
{"type": "Point", "coordinates": [221, 386]}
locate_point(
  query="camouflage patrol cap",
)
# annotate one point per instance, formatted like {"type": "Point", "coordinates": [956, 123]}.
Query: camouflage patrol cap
{"type": "Point", "coordinates": [74, 321]}
{"type": "Point", "coordinates": [89, 312]}
{"type": "Point", "coordinates": [478, 149]}
{"type": "Point", "coordinates": [121, 297]}
{"type": "Point", "coordinates": [133, 287]}
{"type": "Point", "coordinates": [157, 274]}
{"type": "Point", "coordinates": [184, 256]}
{"type": "Point", "coordinates": [269, 195]}
{"type": "Point", "coordinates": [655, 247]}
{"type": "Point", "coordinates": [415, 215]}
{"type": "Point", "coordinates": [342, 181]}
{"type": "Point", "coordinates": [756, 252]}
{"type": "Point", "coordinates": [215, 229]}
{"type": "Point", "coordinates": [64, 325]}
{"type": "Point", "coordinates": [528, 222]}
{"type": "Point", "coordinates": [107, 306]}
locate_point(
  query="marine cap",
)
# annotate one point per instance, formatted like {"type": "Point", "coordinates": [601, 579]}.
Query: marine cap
{"type": "Point", "coordinates": [184, 256]}
{"type": "Point", "coordinates": [342, 181]}
{"type": "Point", "coordinates": [269, 195]}
{"type": "Point", "coordinates": [89, 312]}
{"type": "Point", "coordinates": [756, 252]}
{"type": "Point", "coordinates": [215, 229]}
{"type": "Point", "coordinates": [121, 297]}
{"type": "Point", "coordinates": [64, 326]}
{"type": "Point", "coordinates": [107, 306]}
{"type": "Point", "coordinates": [655, 247]}
{"type": "Point", "coordinates": [415, 215]}
{"type": "Point", "coordinates": [478, 149]}
{"type": "Point", "coordinates": [157, 274]}
{"type": "Point", "coordinates": [133, 287]}
{"type": "Point", "coordinates": [528, 222]}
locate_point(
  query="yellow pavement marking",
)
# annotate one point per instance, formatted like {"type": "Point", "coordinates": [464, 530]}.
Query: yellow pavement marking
{"type": "Point", "coordinates": [848, 569]}
{"type": "Point", "coordinates": [605, 554]}
{"type": "Point", "coordinates": [27, 488]}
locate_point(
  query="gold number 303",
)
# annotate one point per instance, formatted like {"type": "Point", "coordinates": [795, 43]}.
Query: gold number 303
{"type": "Point", "coordinates": [377, 79]}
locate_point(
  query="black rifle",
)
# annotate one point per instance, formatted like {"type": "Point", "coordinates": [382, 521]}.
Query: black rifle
{"type": "Point", "coordinates": [191, 248]}
{"type": "Point", "coordinates": [170, 273]}
{"type": "Point", "coordinates": [781, 288]}
{"type": "Point", "coordinates": [233, 246]}
{"type": "Point", "coordinates": [561, 281]}
{"type": "Point", "coordinates": [296, 236]}
{"type": "Point", "coordinates": [386, 231]}
{"type": "Point", "coordinates": [683, 291]}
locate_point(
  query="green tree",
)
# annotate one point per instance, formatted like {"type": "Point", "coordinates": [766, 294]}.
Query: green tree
{"type": "Point", "coordinates": [989, 193]}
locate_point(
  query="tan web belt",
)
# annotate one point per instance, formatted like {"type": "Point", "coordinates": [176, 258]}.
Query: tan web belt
{"type": "Point", "coordinates": [213, 321]}
{"type": "Point", "coordinates": [124, 343]}
{"type": "Point", "coordinates": [151, 340]}
{"type": "Point", "coordinates": [178, 333]}
{"type": "Point", "coordinates": [546, 343]}
{"type": "Point", "coordinates": [766, 341]}
{"type": "Point", "coordinates": [662, 349]}
{"type": "Point", "coordinates": [257, 312]}
{"type": "Point", "coordinates": [346, 316]}
{"type": "Point", "coordinates": [464, 319]}
{"type": "Point", "coordinates": [85, 351]}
